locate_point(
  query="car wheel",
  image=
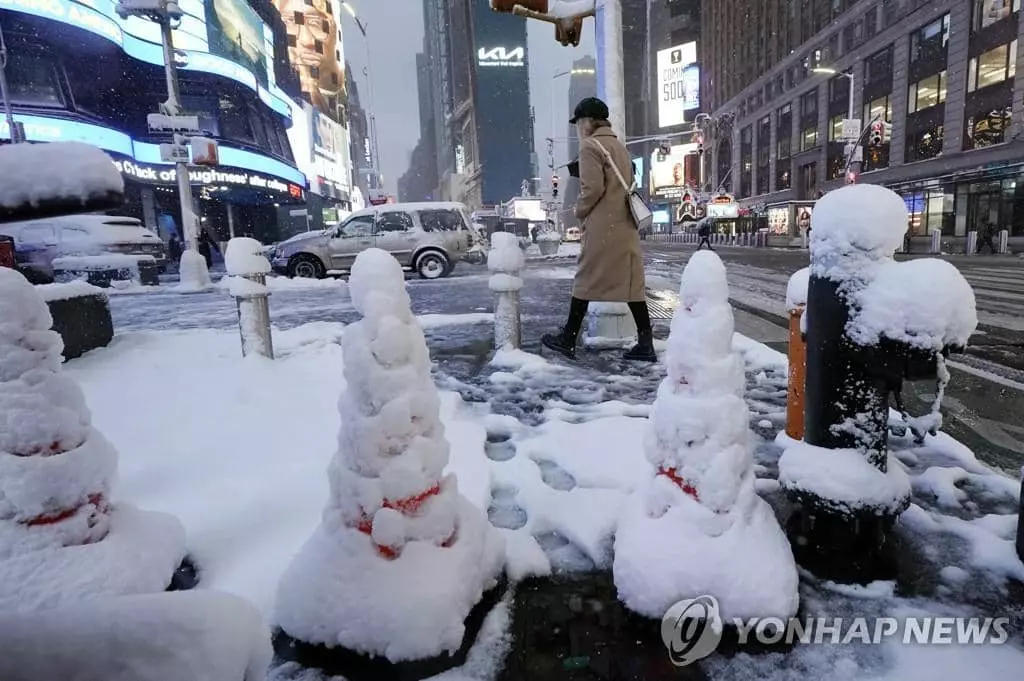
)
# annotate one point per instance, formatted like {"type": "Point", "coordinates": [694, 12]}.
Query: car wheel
{"type": "Point", "coordinates": [432, 265]}
{"type": "Point", "coordinates": [306, 267]}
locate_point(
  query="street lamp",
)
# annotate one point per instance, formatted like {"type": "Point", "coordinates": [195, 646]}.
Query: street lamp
{"type": "Point", "coordinates": [846, 74]}
{"type": "Point", "coordinates": [362, 26]}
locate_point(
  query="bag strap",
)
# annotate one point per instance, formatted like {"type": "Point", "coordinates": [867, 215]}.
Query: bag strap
{"type": "Point", "coordinates": [615, 168]}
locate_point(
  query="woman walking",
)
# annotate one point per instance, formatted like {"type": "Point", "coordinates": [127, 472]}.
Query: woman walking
{"type": "Point", "coordinates": [610, 266]}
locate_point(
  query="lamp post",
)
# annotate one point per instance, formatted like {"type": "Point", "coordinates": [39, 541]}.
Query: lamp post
{"type": "Point", "coordinates": [852, 145]}
{"type": "Point", "coordinates": [368, 72]}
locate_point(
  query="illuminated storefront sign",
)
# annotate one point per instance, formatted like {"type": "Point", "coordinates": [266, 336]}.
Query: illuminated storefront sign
{"type": "Point", "coordinates": [221, 37]}
{"type": "Point", "coordinates": [42, 129]}
{"type": "Point", "coordinates": [671, 174]}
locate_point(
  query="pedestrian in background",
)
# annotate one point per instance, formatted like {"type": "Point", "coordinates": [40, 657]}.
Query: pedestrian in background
{"type": "Point", "coordinates": [704, 232]}
{"type": "Point", "coordinates": [988, 233]}
{"type": "Point", "coordinates": [610, 266]}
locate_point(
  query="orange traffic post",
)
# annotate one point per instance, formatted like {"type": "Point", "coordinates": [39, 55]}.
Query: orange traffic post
{"type": "Point", "coordinates": [797, 376]}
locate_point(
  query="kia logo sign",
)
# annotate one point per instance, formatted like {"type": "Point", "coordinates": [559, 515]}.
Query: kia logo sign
{"type": "Point", "coordinates": [501, 56]}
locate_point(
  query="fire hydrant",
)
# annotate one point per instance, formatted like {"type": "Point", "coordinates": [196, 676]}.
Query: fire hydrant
{"type": "Point", "coordinates": [248, 268]}
{"type": "Point", "coordinates": [872, 323]}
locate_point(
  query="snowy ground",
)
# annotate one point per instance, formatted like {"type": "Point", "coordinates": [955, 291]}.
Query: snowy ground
{"type": "Point", "coordinates": [238, 448]}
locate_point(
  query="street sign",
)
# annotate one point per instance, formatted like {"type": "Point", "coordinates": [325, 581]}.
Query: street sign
{"type": "Point", "coordinates": [851, 130]}
{"type": "Point", "coordinates": [174, 153]}
{"type": "Point", "coordinates": [204, 151]}
{"type": "Point", "coordinates": [161, 123]}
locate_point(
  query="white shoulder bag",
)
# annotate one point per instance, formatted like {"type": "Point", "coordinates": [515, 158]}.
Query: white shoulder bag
{"type": "Point", "coordinates": [643, 218]}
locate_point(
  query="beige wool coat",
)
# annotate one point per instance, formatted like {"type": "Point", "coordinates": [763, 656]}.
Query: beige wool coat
{"type": "Point", "coordinates": [610, 266]}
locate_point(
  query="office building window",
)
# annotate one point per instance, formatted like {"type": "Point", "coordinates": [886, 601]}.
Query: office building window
{"type": "Point", "coordinates": [808, 138]}
{"type": "Point", "coordinates": [878, 67]}
{"type": "Point", "coordinates": [880, 108]}
{"type": "Point", "coordinates": [930, 41]}
{"type": "Point", "coordinates": [985, 126]}
{"type": "Point", "coordinates": [992, 67]}
{"type": "Point", "coordinates": [835, 128]}
{"type": "Point", "coordinates": [809, 104]}
{"type": "Point", "coordinates": [927, 92]}
{"type": "Point", "coordinates": [988, 12]}
{"type": "Point", "coordinates": [924, 143]}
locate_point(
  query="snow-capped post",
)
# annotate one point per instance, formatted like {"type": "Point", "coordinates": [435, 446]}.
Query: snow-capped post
{"type": "Point", "coordinates": [248, 268]}
{"type": "Point", "coordinates": [972, 243]}
{"type": "Point", "coordinates": [936, 243]}
{"type": "Point", "coordinates": [609, 325]}
{"type": "Point", "coordinates": [1003, 242]}
{"type": "Point", "coordinates": [796, 303]}
{"type": "Point", "coordinates": [871, 324]}
{"type": "Point", "coordinates": [397, 579]}
{"type": "Point", "coordinates": [506, 260]}
{"type": "Point", "coordinates": [1020, 519]}
{"type": "Point", "coordinates": [61, 538]}
{"type": "Point", "coordinates": [699, 527]}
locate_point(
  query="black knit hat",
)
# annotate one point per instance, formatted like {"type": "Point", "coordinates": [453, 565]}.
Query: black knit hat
{"type": "Point", "coordinates": [591, 107]}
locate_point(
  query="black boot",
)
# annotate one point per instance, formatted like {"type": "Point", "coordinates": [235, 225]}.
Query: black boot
{"type": "Point", "coordinates": [643, 351]}
{"type": "Point", "coordinates": [564, 342]}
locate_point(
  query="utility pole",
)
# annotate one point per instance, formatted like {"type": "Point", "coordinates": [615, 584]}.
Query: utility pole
{"type": "Point", "coordinates": [168, 14]}
{"type": "Point", "coordinates": [17, 132]}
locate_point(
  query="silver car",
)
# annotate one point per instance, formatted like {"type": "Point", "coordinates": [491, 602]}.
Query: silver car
{"type": "Point", "coordinates": [427, 238]}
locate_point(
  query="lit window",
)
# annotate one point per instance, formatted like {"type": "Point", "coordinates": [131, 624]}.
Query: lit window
{"type": "Point", "coordinates": [927, 92]}
{"type": "Point", "coordinates": [809, 139]}
{"type": "Point", "coordinates": [991, 67]}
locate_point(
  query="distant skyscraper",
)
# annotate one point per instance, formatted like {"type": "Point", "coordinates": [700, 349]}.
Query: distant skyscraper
{"type": "Point", "coordinates": [582, 84]}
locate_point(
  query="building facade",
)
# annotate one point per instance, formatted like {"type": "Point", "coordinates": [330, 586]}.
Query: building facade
{"type": "Point", "coordinates": [80, 73]}
{"type": "Point", "coordinates": [943, 73]}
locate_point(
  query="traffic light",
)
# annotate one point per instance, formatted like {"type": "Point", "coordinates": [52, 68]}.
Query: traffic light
{"type": "Point", "coordinates": [700, 143]}
{"type": "Point", "coordinates": [851, 177]}
{"type": "Point", "coordinates": [879, 133]}
{"type": "Point", "coordinates": [664, 147]}
{"type": "Point", "coordinates": [554, 187]}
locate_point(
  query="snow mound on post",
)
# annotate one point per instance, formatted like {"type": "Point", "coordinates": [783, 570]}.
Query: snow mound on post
{"type": "Point", "coordinates": [926, 304]}
{"type": "Point", "coordinates": [245, 256]}
{"type": "Point", "coordinates": [60, 540]}
{"type": "Point", "coordinates": [505, 259]}
{"type": "Point", "coordinates": [400, 557]}
{"type": "Point", "coordinates": [185, 636]}
{"type": "Point", "coordinates": [193, 273]}
{"type": "Point", "coordinates": [796, 289]}
{"type": "Point", "coordinates": [56, 171]}
{"type": "Point", "coordinates": [855, 226]}
{"type": "Point", "coordinates": [846, 477]}
{"type": "Point", "coordinates": [679, 537]}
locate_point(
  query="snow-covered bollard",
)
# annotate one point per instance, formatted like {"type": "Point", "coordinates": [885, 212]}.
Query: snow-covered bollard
{"type": "Point", "coordinates": [248, 269]}
{"type": "Point", "coordinates": [609, 325]}
{"type": "Point", "coordinates": [699, 528]}
{"type": "Point", "coordinates": [61, 540]}
{"type": "Point", "coordinates": [506, 260]}
{"type": "Point", "coordinates": [972, 243]}
{"type": "Point", "coordinates": [548, 242]}
{"type": "Point", "coordinates": [1003, 242]}
{"type": "Point", "coordinates": [401, 559]}
{"type": "Point", "coordinates": [936, 244]}
{"type": "Point", "coordinates": [872, 323]}
{"type": "Point", "coordinates": [796, 303]}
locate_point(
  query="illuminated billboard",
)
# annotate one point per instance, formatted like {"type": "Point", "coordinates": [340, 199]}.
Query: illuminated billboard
{"type": "Point", "coordinates": [678, 84]}
{"type": "Point", "coordinates": [221, 37]}
{"type": "Point", "coordinates": [671, 174]}
{"type": "Point", "coordinates": [316, 51]}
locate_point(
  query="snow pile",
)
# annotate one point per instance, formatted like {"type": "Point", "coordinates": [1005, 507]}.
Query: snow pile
{"type": "Point", "coordinates": [31, 175]}
{"type": "Point", "coordinates": [193, 273]}
{"type": "Point", "coordinates": [55, 475]}
{"type": "Point", "coordinates": [796, 290]}
{"type": "Point", "coordinates": [844, 477]}
{"type": "Point", "coordinates": [400, 557]}
{"type": "Point", "coordinates": [925, 303]}
{"type": "Point", "coordinates": [855, 228]}
{"type": "Point", "coordinates": [699, 527]}
{"type": "Point", "coordinates": [245, 256]}
{"type": "Point", "coordinates": [505, 260]}
{"type": "Point", "coordinates": [187, 636]}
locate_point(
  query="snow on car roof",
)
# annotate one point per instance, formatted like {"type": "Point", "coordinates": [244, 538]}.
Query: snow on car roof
{"type": "Point", "coordinates": [415, 206]}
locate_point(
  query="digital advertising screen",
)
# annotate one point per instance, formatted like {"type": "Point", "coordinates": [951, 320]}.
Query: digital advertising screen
{"type": "Point", "coordinates": [678, 85]}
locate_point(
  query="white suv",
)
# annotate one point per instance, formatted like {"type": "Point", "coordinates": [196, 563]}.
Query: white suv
{"type": "Point", "coordinates": [428, 238]}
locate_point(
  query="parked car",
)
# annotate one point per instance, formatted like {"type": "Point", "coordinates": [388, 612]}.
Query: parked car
{"type": "Point", "coordinates": [572, 234]}
{"type": "Point", "coordinates": [38, 243]}
{"type": "Point", "coordinates": [427, 238]}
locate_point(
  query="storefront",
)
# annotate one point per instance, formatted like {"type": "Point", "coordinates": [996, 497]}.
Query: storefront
{"type": "Point", "coordinates": [788, 222]}
{"type": "Point", "coordinates": [965, 203]}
